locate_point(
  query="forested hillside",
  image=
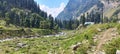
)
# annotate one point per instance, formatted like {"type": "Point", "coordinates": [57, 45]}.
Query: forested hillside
{"type": "Point", "coordinates": [83, 27]}
{"type": "Point", "coordinates": [25, 13]}
{"type": "Point", "coordinates": [75, 8]}
{"type": "Point", "coordinates": [79, 12]}
{"type": "Point", "coordinates": [24, 17]}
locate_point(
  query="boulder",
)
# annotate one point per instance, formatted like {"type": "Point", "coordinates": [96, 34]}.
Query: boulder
{"type": "Point", "coordinates": [118, 52]}
{"type": "Point", "coordinates": [21, 45]}
{"type": "Point", "coordinates": [99, 29]}
{"type": "Point", "coordinates": [74, 47]}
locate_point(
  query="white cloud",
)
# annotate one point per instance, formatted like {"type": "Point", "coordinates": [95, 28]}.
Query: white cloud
{"type": "Point", "coordinates": [53, 11]}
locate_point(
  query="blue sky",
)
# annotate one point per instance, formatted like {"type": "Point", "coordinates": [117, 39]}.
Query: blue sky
{"type": "Point", "coordinates": [53, 7]}
{"type": "Point", "coordinates": [52, 3]}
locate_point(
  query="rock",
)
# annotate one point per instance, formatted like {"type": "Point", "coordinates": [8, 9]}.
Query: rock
{"type": "Point", "coordinates": [95, 38]}
{"type": "Point", "coordinates": [49, 52]}
{"type": "Point", "coordinates": [99, 29]}
{"type": "Point", "coordinates": [100, 52]}
{"type": "Point", "coordinates": [118, 52]}
{"type": "Point", "coordinates": [113, 34]}
{"type": "Point", "coordinates": [74, 47]}
{"type": "Point", "coordinates": [85, 41]}
{"type": "Point", "coordinates": [16, 49]}
{"type": "Point", "coordinates": [21, 45]}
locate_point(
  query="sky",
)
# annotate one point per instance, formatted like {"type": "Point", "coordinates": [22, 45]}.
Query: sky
{"type": "Point", "coordinates": [53, 7]}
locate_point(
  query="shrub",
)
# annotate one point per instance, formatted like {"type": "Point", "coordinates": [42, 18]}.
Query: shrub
{"type": "Point", "coordinates": [1, 27]}
{"type": "Point", "coordinates": [111, 47]}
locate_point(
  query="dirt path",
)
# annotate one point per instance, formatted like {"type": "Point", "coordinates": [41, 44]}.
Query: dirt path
{"type": "Point", "coordinates": [105, 37]}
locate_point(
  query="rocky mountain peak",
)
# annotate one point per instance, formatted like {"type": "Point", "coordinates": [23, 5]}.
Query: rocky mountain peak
{"type": "Point", "coordinates": [75, 8]}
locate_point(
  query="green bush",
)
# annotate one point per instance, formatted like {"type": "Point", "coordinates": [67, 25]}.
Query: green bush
{"type": "Point", "coordinates": [1, 27]}
{"type": "Point", "coordinates": [111, 47]}
{"type": "Point", "coordinates": [118, 28]}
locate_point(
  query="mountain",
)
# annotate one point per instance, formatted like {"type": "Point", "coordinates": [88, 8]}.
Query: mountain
{"type": "Point", "coordinates": [75, 8]}
{"type": "Point", "coordinates": [111, 7]}
{"type": "Point", "coordinates": [6, 5]}
{"type": "Point", "coordinates": [23, 13]}
{"type": "Point", "coordinates": [24, 18]}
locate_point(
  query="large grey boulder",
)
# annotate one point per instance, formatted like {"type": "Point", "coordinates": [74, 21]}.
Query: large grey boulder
{"type": "Point", "coordinates": [118, 52]}
{"type": "Point", "coordinates": [21, 45]}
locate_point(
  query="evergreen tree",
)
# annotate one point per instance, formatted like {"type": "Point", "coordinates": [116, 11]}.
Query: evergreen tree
{"type": "Point", "coordinates": [83, 19]}
{"type": "Point", "coordinates": [51, 21]}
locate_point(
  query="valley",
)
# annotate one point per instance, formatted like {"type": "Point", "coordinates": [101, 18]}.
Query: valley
{"type": "Point", "coordinates": [82, 27]}
{"type": "Point", "coordinates": [63, 44]}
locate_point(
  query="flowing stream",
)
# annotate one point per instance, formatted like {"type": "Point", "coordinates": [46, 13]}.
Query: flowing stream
{"type": "Point", "coordinates": [56, 35]}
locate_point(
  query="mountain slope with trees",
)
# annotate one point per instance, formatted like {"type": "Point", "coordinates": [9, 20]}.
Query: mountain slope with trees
{"type": "Point", "coordinates": [94, 11]}
{"type": "Point", "coordinates": [75, 8]}
{"type": "Point", "coordinates": [24, 13]}
{"type": "Point", "coordinates": [19, 15]}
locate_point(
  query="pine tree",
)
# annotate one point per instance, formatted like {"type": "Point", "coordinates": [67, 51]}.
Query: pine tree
{"type": "Point", "coordinates": [51, 21]}
{"type": "Point", "coordinates": [83, 19]}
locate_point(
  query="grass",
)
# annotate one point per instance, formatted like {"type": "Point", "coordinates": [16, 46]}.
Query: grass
{"type": "Point", "coordinates": [42, 31]}
{"type": "Point", "coordinates": [57, 45]}
{"type": "Point", "coordinates": [15, 31]}
{"type": "Point", "coordinates": [113, 45]}
{"type": "Point", "coordinates": [2, 22]}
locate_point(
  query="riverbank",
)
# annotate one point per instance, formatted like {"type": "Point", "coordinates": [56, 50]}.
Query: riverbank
{"type": "Point", "coordinates": [32, 37]}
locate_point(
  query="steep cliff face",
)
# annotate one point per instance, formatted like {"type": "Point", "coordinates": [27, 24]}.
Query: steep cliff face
{"type": "Point", "coordinates": [111, 7]}
{"type": "Point", "coordinates": [75, 8]}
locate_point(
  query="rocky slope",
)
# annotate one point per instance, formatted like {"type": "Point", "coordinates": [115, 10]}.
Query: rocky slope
{"type": "Point", "coordinates": [111, 7]}
{"type": "Point", "coordinates": [75, 8]}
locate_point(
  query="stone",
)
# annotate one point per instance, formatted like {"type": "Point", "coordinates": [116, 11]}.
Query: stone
{"type": "Point", "coordinates": [74, 47]}
{"type": "Point", "coordinates": [100, 52]}
{"type": "Point", "coordinates": [16, 49]}
{"type": "Point", "coordinates": [114, 34]}
{"type": "Point", "coordinates": [21, 45]}
{"type": "Point", "coordinates": [118, 52]}
{"type": "Point", "coordinates": [99, 29]}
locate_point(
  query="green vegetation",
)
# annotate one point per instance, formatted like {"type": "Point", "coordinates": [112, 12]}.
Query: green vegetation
{"type": "Point", "coordinates": [24, 18]}
{"type": "Point", "coordinates": [83, 19]}
{"type": "Point", "coordinates": [57, 45]}
{"type": "Point", "coordinates": [113, 46]}
{"type": "Point", "coordinates": [12, 31]}
{"type": "Point", "coordinates": [24, 13]}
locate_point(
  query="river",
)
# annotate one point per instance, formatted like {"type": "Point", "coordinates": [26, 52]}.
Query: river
{"type": "Point", "coordinates": [32, 37]}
